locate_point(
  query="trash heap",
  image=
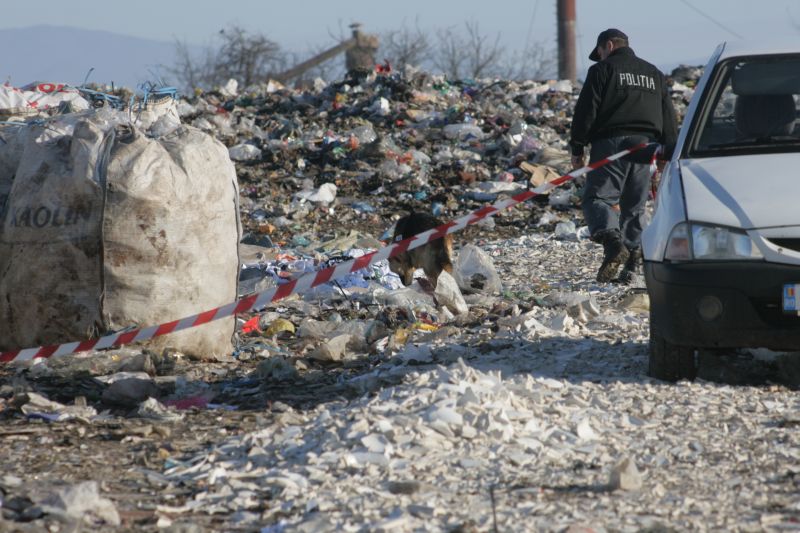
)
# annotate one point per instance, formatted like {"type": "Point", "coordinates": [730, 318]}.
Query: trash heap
{"type": "Point", "coordinates": [325, 170]}
{"type": "Point", "coordinates": [359, 152]}
{"type": "Point", "coordinates": [512, 396]}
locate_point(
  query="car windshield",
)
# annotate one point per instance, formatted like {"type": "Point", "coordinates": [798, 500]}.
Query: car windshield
{"type": "Point", "coordinates": [751, 107]}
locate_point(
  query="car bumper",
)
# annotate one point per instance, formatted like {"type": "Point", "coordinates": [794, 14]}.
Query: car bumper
{"type": "Point", "coordinates": [684, 309]}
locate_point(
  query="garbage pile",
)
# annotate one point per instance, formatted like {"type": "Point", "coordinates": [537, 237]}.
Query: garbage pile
{"type": "Point", "coordinates": [324, 173]}
{"type": "Point", "coordinates": [358, 153]}
{"type": "Point", "coordinates": [531, 412]}
{"type": "Point", "coordinates": [512, 391]}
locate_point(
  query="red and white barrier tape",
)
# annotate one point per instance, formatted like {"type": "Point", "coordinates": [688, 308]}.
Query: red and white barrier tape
{"type": "Point", "coordinates": [305, 282]}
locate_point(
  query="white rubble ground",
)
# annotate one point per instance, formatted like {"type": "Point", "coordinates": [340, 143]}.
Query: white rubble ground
{"type": "Point", "coordinates": [547, 424]}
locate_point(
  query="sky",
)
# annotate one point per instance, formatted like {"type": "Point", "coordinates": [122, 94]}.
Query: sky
{"type": "Point", "coordinates": [665, 32]}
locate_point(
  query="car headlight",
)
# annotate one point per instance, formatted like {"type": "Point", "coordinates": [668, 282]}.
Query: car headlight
{"type": "Point", "coordinates": [690, 241]}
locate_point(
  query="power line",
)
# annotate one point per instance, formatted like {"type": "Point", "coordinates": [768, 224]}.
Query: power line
{"type": "Point", "coordinates": [712, 19]}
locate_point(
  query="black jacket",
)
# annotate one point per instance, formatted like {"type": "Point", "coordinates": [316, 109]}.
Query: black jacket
{"type": "Point", "coordinates": [623, 95]}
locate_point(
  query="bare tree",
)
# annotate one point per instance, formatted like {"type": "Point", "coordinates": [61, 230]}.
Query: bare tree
{"type": "Point", "coordinates": [482, 53]}
{"type": "Point", "coordinates": [190, 71]}
{"type": "Point", "coordinates": [533, 63]}
{"type": "Point", "coordinates": [450, 54]}
{"type": "Point", "coordinates": [248, 58]}
{"type": "Point", "coordinates": [406, 46]}
{"type": "Point", "coordinates": [471, 55]}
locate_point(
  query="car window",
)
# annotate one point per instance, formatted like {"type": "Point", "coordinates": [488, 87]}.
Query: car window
{"type": "Point", "coordinates": [751, 107]}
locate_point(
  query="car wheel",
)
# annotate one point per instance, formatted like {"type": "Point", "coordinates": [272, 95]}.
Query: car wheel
{"type": "Point", "coordinates": [670, 362]}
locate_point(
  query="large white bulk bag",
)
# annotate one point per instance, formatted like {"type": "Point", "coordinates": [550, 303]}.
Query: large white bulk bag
{"type": "Point", "coordinates": [107, 228]}
{"type": "Point", "coordinates": [10, 154]}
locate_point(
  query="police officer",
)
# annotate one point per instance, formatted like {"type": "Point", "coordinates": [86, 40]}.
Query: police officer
{"type": "Point", "coordinates": [624, 101]}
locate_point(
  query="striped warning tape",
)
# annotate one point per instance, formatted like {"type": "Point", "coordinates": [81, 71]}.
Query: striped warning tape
{"type": "Point", "coordinates": [305, 282]}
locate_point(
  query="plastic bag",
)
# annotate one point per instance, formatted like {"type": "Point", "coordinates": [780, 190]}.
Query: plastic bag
{"type": "Point", "coordinates": [475, 271]}
{"type": "Point", "coordinates": [448, 295]}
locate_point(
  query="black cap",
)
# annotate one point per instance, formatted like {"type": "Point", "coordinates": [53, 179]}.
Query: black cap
{"type": "Point", "coordinates": [611, 33]}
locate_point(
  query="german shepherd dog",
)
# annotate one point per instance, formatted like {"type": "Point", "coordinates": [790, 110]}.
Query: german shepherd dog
{"type": "Point", "coordinates": [432, 257]}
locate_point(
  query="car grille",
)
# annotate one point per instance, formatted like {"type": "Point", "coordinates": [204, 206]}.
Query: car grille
{"type": "Point", "coordinates": [771, 312]}
{"type": "Point", "coordinates": [791, 244]}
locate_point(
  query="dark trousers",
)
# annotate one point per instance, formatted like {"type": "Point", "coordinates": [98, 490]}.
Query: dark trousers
{"type": "Point", "coordinates": [619, 182]}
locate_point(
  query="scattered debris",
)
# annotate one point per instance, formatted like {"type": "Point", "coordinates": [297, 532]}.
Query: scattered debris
{"type": "Point", "coordinates": [503, 397]}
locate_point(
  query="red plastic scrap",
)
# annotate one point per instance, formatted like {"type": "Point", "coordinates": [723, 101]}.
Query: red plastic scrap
{"type": "Point", "coordinates": [251, 325]}
{"type": "Point", "coordinates": [200, 402]}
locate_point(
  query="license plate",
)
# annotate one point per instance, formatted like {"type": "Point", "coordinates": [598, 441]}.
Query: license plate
{"type": "Point", "coordinates": [791, 298]}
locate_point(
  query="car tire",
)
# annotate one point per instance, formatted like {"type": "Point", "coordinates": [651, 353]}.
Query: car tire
{"type": "Point", "coordinates": [669, 362]}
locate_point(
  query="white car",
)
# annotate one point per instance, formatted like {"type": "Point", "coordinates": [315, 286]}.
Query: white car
{"type": "Point", "coordinates": [722, 252]}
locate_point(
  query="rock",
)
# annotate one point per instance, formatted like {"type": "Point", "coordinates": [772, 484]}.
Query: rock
{"type": "Point", "coordinates": [315, 329]}
{"type": "Point", "coordinates": [33, 404]}
{"type": "Point", "coordinates": [276, 368]}
{"type": "Point", "coordinates": [561, 322]}
{"type": "Point", "coordinates": [446, 415]}
{"type": "Point", "coordinates": [332, 350]}
{"type": "Point", "coordinates": [585, 430]}
{"type": "Point", "coordinates": [585, 310]}
{"type": "Point", "coordinates": [153, 409]}
{"type": "Point", "coordinates": [468, 432]}
{"type": "Point", "coordinates": [140, 362]}
{"type": "Point", "coordinates": [403, 487]}
{"type": "Point", "coordinates": [625, 476]}
{"type": "Point", "coordinates": [244, 152]}
{"type": "Point", "coordinates": [82, 501]}
{"type": "Point", "coordinates": [525, 322]}
{"type": "Point", "coordinates": [417, 354]}
{"type": "Point", "coordinates": [637, 302]}
{"type": "Point", "coordinates": [9, 481]}
{"type": "Point", "coordinates": [130, 392]}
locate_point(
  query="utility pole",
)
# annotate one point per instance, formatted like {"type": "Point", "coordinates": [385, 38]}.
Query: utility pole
{"type": "Point", "coordinates": [565, 13]}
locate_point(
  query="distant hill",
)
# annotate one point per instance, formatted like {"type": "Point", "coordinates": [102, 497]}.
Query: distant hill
{"type": "Point", "coordinates": [65, 55]}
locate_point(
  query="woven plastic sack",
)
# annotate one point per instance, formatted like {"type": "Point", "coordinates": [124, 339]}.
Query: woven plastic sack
{"type": "Point", "coordinates": [10, 154]}
{"type": "Point", "coordinates": [37, 99]}
{"type": "Point", "coordinates": [107, 228]}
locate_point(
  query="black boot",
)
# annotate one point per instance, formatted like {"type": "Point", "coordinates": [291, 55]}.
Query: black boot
{"type": "Point", "coordinates": [632, 265]}
{"type": "Point", "coordinates": [614, 255]}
